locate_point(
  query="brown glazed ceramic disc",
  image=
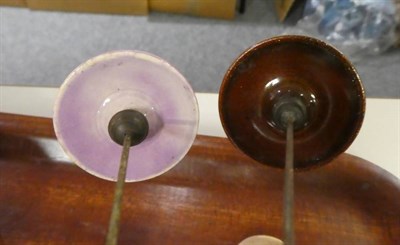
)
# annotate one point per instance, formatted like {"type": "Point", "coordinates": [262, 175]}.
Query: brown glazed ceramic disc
{"type": "Point", "coordinates": [292, 66]}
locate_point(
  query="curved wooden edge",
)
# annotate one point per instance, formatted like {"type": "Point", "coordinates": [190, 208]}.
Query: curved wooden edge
{"type": "Point", "coordinates": [216, 195]}
{"type": "Point", "coordinates": [22, 125]}
{"type": "Point", "coordinates": [26, 125]}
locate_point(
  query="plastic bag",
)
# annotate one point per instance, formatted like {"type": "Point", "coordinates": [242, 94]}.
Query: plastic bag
{"type": "Point", "coordinates": [357, 27]}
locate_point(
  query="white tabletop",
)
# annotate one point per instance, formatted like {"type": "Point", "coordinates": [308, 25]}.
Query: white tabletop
{"type": "Point", "coordinates": [377, 142]}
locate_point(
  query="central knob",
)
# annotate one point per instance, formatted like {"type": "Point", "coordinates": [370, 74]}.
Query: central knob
{"type": "Point", "coordinates": [128, 122]}
{"type": "Point", "coordinates": [290, 108]}
{"type": "Point", "coordinates": [285, 98]}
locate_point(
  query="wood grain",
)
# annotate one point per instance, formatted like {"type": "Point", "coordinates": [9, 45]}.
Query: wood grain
{"type": "Point", "coordinates": [216, 195]}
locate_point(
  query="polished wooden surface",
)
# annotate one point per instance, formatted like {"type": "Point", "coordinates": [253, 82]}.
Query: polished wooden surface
{"type": "Point", "coordinates": [301, 68]}
{"type": "Point", "coordinates": [216, 195]}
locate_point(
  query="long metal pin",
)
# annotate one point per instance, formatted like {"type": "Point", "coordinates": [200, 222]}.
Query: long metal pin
{"type": "Point", "coordinates": [113, 227]}
{"type": "Point", "coordinates": [289, 238]}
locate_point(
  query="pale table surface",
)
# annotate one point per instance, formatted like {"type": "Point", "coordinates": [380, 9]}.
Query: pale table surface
{"type": "Point", "coordinates": [377, 142]}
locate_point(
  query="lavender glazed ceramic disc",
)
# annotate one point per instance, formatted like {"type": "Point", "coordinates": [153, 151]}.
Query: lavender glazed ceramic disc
{"type": "Point", "coordinates": [115, 81]}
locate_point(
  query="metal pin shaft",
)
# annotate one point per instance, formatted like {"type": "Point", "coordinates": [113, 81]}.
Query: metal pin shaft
{"type": "Point", "coordinates": [289, 237]}
{"type": "Point", "coordinates": [113, 228]}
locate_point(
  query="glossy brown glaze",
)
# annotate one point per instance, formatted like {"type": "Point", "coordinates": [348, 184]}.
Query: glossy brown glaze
{"type": "Point", "coordinates": [216, 195]}
{"type": "Point", "coordinates": [302, 67]}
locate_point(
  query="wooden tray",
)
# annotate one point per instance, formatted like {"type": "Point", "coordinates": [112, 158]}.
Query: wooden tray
{"type": "Point", "coordinates": [216, 195]}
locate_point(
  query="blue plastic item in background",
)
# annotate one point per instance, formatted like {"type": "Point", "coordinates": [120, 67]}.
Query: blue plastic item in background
{"type": "Point", "coordinates": [357, 27]}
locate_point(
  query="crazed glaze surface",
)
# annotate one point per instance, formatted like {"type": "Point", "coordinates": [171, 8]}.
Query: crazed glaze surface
{"type": "Point", "coordinates": [115, 81]}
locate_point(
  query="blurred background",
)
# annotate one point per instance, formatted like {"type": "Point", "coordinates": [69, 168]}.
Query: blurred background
{"type": "Point", "coordinates": [42, 41]}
